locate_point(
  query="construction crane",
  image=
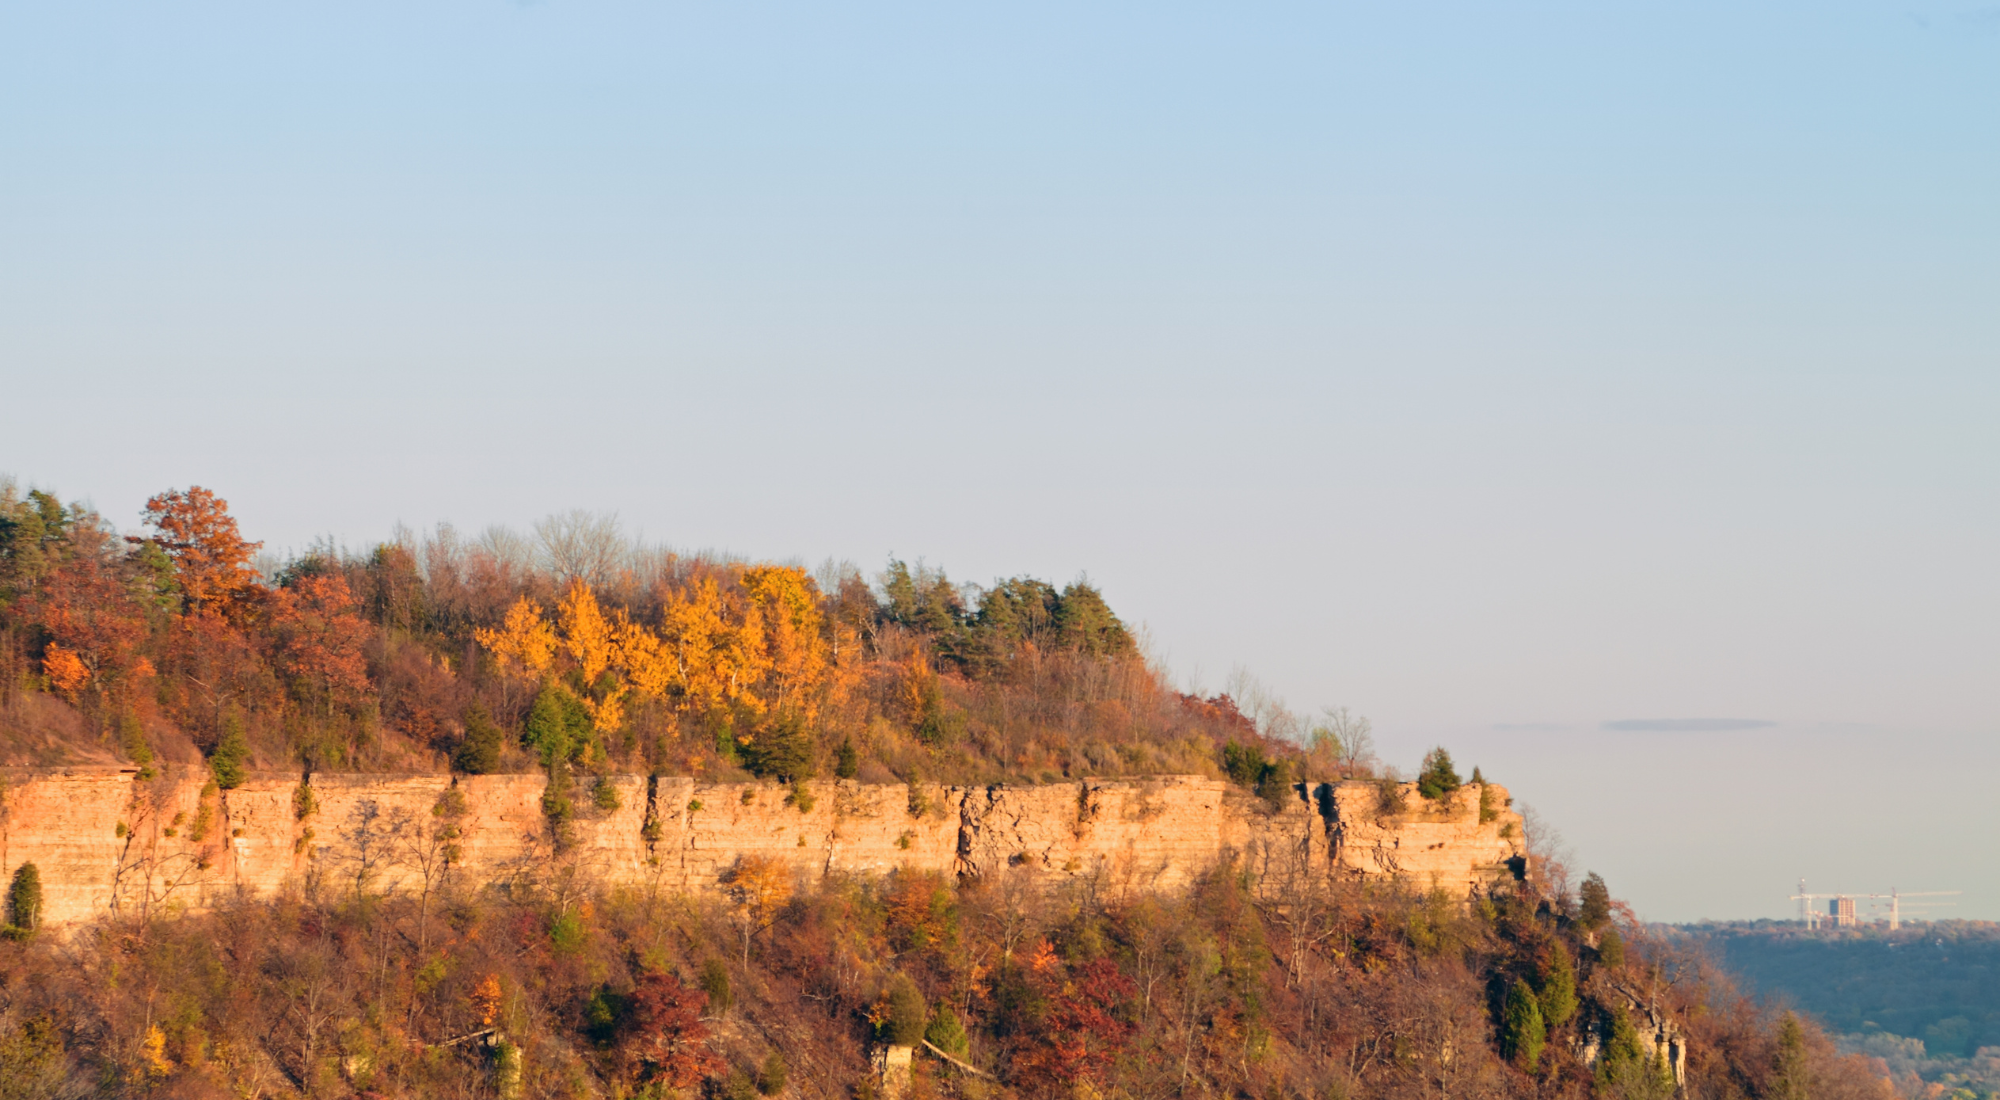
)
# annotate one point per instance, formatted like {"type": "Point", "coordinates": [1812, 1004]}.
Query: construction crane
{"type": "Point", "coordinates": [1841, 911]}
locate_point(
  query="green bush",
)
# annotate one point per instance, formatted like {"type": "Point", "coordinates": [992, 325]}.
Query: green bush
{"type": "Point", "coordinates": [846, 761]}
{"type": "Point", "coordinates": [715, 983]}
{"type": "Point", "coordinates": [772, 1077]}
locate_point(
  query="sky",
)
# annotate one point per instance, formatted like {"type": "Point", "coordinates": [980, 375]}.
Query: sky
{"type": "Point", "coordinates": [1606, 392]}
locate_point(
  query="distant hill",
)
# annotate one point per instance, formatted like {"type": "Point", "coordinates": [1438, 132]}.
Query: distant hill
{"type": "Point", "coordinates": [1937, 982]}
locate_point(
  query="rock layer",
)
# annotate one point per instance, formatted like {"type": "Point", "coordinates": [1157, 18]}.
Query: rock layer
{"type": "Point", "coordinates": [108, 842]}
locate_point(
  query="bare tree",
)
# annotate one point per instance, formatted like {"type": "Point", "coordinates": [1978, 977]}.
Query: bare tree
{"type": "Point", "coordinates": [581, 546]}
{"type": "Point", "coordinates": [1342, 740]}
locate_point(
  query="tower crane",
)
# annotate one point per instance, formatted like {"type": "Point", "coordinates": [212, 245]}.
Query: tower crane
{"type": "Point", "coordinates": [1811, 917]}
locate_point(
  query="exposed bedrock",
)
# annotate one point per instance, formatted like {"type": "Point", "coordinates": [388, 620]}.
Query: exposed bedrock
{"type": "Point", "coordinates": [106, 841]}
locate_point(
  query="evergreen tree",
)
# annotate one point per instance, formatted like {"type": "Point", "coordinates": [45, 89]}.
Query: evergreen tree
{"type": "Point", "coordinates": [24, 898]}
{"type": "Point", "coordinates": [782, 750]}
{"type": "Point", "coordinates": [479, 752]}
{"type": "Point", "coordinates": [1438, 778]}
{"type": "Point", "coordinates": [1611, 948]}
{"type": "Point", "coordinates": [947, 1034]}
{"type": "Point", "coordinates": [1596, 909]}
{"type": "Point", "coordinates": [846, 761]}
{"type": "Point", "coordinates": [1790, 1079]}
{"type": "Point", "coordinates": [908, 1015]}
{"type": "Point", "coordinates": [559, 726]}
{"type": "Point", "coordinates": [1558, 979]}
{"type": "Point", "coordinates": [1522, 1031]}
{"type": "Point", "coordinates": [230, 753]}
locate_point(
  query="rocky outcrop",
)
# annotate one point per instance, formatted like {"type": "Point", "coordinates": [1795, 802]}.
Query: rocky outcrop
{"type": "Point", "coordinates": [108, 842]}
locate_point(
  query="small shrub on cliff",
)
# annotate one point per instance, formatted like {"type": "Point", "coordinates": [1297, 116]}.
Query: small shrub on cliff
{"type": "Point", "coordinates": [846, 761]}
{"type": "Point", "coordinates": [771, 1078]}
{"type": "Point", "coordinates": [1438, 778]}
{"type": "Point", "coordinates": [1242, 763]}
{"type": "Point", "coordinates": [132, 738]}
{"type": "Point", "coordinates": [1275, 785]}
{"type": "Point", "coordinates": [1389, 796]}
{"type": "Point", "coordinates": [715, 983]}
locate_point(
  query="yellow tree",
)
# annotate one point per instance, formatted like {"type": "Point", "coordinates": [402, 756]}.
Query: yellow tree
{"type": "Point", "coordinates": [524, 643]}
{"type": "Point", "coordinates": [596, 642]}
{"type": "Point", "coordinates": [712, 647]}
{"type": "Point", "coordinates": [788, 605]}
{"type": "Point", "coordinates": [761, 885]}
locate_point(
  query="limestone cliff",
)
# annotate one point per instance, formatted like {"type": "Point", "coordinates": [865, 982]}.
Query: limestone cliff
{"type": "Point", "coordinates": [107, 841]}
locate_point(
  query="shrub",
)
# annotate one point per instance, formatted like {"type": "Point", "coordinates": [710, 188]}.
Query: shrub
{"type": "Point", "coordinates": [715, 983]}
{"type": "Point", "coordinates": [846, 761]}
{"type": "Point", "coordinates": [605, 796]}
{"type": "Point", "coordinates": [772, 1077]}
{"type": "Point", "coordinates": [1275, 784]}
{"type": "Point", "coordinates": [1389, 795]}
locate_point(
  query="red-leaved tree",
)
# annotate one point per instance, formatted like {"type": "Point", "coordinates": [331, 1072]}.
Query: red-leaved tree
{"type": "Point", "coordinates": [665, 1039]}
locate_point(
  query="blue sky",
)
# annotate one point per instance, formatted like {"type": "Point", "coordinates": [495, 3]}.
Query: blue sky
{"type": "Point", "coordinates": [1500, 371]}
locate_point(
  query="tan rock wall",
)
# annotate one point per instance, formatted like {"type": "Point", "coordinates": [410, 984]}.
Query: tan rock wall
{"type": "Point", "coordinates": [108, 842]}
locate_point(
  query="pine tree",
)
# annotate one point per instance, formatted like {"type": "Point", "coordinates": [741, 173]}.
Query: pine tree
{"type": "Point", "coordinates": [1790, 1079]}
{"type": "Point", "coordinates": [846, 761]}
{"type": "Point", "coordinates": [24, 898]}
{"type": "Point", "coordinates": [947, 1033]}
{"type": "Point", "coordinates": [1611, 948]}
{"type": "Point", "coordinates": [1522, 1031]}
{"type": "Point", "coordinates": [1438, 777]}
{"type": "Point", "coordinates": [1596, 910]}
{"type": "Point", "coordinates": [1558, 996]}
{"type": "Point", "coordinates": [230, 754]}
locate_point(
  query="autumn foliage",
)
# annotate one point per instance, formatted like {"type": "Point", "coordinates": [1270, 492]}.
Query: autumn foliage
{"type": "Point", "coordinates": [585, 657]}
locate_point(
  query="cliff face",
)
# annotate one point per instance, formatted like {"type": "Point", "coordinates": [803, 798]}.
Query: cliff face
{"type": "Point", "coordinates": [107, 842]}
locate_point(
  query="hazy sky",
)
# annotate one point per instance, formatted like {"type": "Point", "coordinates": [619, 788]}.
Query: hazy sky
{"type": "Point", "coordinates": [1498, 370]}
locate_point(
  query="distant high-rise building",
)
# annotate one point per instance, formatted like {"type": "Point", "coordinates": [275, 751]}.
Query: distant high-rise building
{"type": "Point", "coordinates": [1840, 911]}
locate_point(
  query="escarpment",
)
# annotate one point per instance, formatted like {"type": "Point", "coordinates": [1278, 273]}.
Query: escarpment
{"type": "Point", "coordinates": [109, 842]}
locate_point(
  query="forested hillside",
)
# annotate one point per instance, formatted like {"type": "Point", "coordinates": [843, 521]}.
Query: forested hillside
{"type": "Point", "coordinates": [580, 654]}
{"type": "Point", "coordinates": [1925, 997]}
{"type": "Point", "coordinates": [571, 650]}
